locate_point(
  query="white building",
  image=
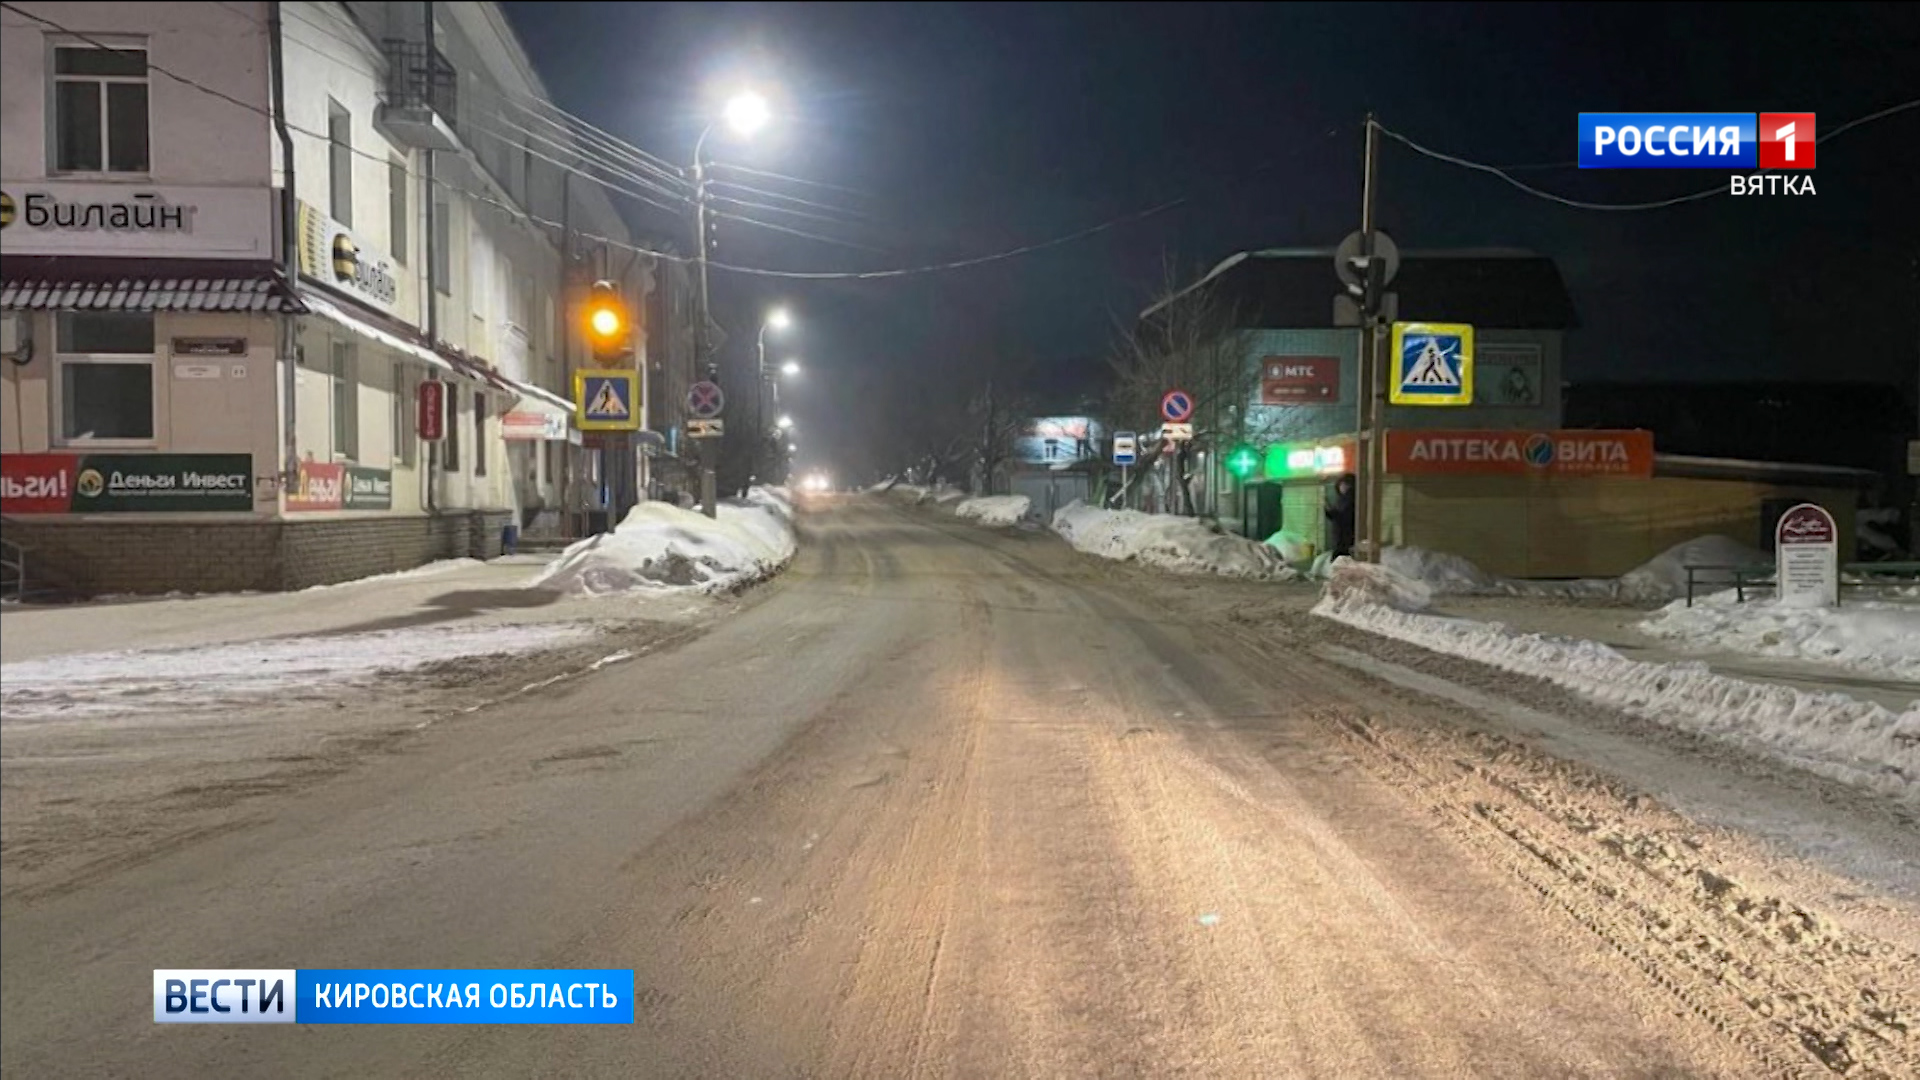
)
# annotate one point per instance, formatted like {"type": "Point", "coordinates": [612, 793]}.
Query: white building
{"type": "Point", "coordinates": [240, 239]}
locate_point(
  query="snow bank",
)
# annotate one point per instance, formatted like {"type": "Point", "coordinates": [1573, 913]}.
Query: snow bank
{"type": "Point", "coordinates": [1349, 581]}
{"type": "Point", "coordinates": [1292, 546]}
{"type": "Point", "coordinates": [1662, 578]}
{"type": "Point", "coordinates": [146, 681]}
{"type": "Point", "coordinates": [1446, 575]}
{"type": "Point", "coordinates": [1665, 575]}
{"type": "Point", "coordinates": [996, 510]}
{"type": "Point", "coordinates": [1179, 544]}
{"type": "Point", "coordinates": [1873, 637]}
{"type": "Point", "coordinates": [432, 569]}
{"type": "Point", "coordinates": [1858, 742]}
{"type": "Point", "coordinates": [659, 546]}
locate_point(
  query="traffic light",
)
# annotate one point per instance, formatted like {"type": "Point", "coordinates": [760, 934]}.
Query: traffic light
{"type": "Point", "coordinates": [608, 328]}
{"type": "Point", "coordinates": [1242, 461]}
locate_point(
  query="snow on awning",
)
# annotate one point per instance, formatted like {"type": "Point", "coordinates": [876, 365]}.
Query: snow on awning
{"type": "Point", "coordinates": [327, 310]}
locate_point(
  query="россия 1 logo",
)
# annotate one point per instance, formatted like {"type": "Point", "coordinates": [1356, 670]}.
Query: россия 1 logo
{"type": "Point", "coordinates": [1705, 141]}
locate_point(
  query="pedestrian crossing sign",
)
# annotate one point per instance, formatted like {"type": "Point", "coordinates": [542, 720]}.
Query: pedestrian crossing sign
{"type": "Point", "coordinates": [1432, 364]}
{"type": "Point", "coordinates": [604, 400]}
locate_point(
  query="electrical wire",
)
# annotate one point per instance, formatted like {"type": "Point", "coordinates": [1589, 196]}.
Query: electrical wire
{"type": "Point", "coordinates": [751, 205]}
{"type": "Point", "coordinates": [750, 171]}
{"type": "Point", "coordinates": [840, 211]}
{"type": "Point", "coordinates": [795, 232]}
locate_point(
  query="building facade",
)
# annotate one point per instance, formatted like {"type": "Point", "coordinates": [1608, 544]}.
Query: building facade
{"type": "Point", "coordinates": [288, 291]}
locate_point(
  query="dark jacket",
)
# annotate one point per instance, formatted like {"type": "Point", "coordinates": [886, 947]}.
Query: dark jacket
{"type": "Point", "coordinates": [1340, 526]}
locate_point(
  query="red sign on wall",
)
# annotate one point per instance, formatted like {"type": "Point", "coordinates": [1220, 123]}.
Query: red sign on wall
{"type": "Point", "coordinates": [433, 410]}
{"type": "Point", "coordinates": [1299, 380]}
{"type": "Point", "coordinates": [1521, 453]}
{"type": "Point", "coordinates": [319, 486]}
{"type": "Point", "coordinates": [37, 483]}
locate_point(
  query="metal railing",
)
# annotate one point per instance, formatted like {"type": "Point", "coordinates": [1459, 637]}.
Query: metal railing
{"type": "Point", "coordinates": [420, 76]}
{"type": "Point", "coordinates": [1857, 577]}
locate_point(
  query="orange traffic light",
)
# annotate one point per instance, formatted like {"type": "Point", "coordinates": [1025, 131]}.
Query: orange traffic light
{"type": "Point", "coordinates": [607, 323]}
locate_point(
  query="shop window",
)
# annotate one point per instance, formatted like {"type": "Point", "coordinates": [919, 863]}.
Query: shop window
{"type": "Point", "coordinates": [340, 163]}
{"type": "Point", "coordinates": [106, 373]}
{"type": "Point", "coordinates": [397, 209]}
{"type": "Point", "coordinates": [405, 421]}
{"type": "Point", "coordinates": [346, 401]}
{"type": "Point", "coordinates": [100, 110]}
{"type": "Point", "coordinates": [479, 433]}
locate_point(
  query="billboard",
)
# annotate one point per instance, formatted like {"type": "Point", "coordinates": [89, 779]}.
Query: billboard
{"type": "Point", "coordinates": [1059, 440]}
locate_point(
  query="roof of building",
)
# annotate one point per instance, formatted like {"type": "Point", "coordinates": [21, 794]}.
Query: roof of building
{"type": "Point", "coordinates": [119, 285]}
{"type": "Point", "coordinates": [1294, 288]}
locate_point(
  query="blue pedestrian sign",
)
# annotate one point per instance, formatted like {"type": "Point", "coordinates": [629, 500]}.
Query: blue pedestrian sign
{"type": "Point", "coordinates": [604, 400]}
{"type": "Point", "coordinates": [1177, 406]}
{"type": "Point", "coordinates": [1432, 364]}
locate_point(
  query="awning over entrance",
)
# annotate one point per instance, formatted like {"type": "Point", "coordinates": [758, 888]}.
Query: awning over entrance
{"type": "Point", "coordinates": [102, 290]}
{"type": "Point", "coordinates": [333, 313]}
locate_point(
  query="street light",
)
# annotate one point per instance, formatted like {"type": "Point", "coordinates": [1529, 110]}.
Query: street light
{"type": "Point", "coordinates": [785, 423]}
{"type": "Point", "coordinates": [745, 114]}
{"type": "Point", "coordinates": [791, 367]}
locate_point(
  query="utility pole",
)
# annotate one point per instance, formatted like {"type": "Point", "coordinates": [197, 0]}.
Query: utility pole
{"type": "Point", "coordinates": [1368, 534]}
{"type": "Point", "coordinates": [703, 339]}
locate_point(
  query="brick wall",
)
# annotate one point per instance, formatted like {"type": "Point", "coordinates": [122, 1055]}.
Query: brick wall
{"type": "Point", "coordinates": [91, 558]}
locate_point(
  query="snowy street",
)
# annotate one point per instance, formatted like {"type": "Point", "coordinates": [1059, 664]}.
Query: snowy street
{"type": "Point", "coordinates": [951, 798]}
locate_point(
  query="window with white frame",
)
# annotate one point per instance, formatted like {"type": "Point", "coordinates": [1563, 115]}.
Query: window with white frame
{"type": "Point", "coordinates": [340, 163]}
{"type": "Point", "coordinates": [106, 374]}
{"type": "Point", "coordinates": [405, 430]}
{"type": "Point", "coordinates": [346, 400]}
{"type": "Point", "coordinates": [397, 209]}
{"type": "Point", "coordinates": [100, 110]}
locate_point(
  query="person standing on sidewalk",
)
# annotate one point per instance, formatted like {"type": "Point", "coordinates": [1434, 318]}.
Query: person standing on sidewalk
{"type": "Point", "coordinates": [1340, 511]}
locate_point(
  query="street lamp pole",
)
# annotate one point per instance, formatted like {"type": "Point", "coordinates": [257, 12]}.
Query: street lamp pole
{"type": "Point", "coordinates": [703, 340]}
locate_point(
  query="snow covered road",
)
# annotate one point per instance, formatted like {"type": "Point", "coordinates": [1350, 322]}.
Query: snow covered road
{"type": "Point", "coordinates": [943, 800]}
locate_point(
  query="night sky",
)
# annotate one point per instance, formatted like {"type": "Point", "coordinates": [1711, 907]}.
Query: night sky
{"type": "Point", "coordinates": [969, 129]}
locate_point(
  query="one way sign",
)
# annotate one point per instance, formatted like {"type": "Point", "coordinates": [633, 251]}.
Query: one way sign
{"type": "Point", "coordinates": [1432, 364]}
{"type": "Point", "coordinates": [604, 400]}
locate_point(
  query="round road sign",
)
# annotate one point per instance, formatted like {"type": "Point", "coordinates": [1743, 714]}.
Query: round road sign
{"type": "Point", "coordinates": [1177, 406]}
{"type": "Point", "coordinates": [704, 400]}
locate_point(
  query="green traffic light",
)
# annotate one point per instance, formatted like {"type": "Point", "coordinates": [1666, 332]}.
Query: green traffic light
{"type": "Point", "coordinates": [1242, 462]}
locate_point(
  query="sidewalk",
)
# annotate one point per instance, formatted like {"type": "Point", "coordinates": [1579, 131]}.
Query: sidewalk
{"type": "Point", "coordinates": [460, 592]}
{"type": "Point", "coordinates": [1615, 628]}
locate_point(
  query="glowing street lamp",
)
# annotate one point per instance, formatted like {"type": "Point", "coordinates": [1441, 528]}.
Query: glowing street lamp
{"type": "Point", "coordinates": [747, 112]}
{"type": "Point", "coordinates": [791, 367]}
{"type": "Point", "coordinates": [785, 423]}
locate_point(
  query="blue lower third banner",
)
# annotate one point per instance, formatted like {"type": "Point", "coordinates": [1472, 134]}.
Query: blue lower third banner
{"type": "Point", "coordinates": [392, 996]}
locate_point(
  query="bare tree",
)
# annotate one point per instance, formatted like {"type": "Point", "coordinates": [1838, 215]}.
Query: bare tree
{"type": "Point", "coordinates": [1193, 339]}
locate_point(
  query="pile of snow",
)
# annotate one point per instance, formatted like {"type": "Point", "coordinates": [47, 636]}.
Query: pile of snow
{"type": "Point", "coordinates": [660, 546]}
{"type": "Point", "coordinates": [997, 510]}
{"type": "Point", "coordinates": [1179, 544]}
{"type": "Point", "coordinates": [882, 487]}
{"type": "Point", "coordinates": [1858, 742]}
{"type": "Point", "coordinates": [1665, 575]}
{"type": "Point", "coordinates": [432, 569]}
{"type": "Point", "coordinates": [1662, 578]}
{"type": "Point", "coordinates": [1873, 529]}
{"type": "Point", "coordinates": [1874, 637]}
{"type": "Point", "coordinates": [1350, 582]}
{"type": "Point", "coordinates": [949, 495]}
{"type": "Point", "coordinates": [1446, 575]}
{"type": "Point", "coordinates": [147, 681]}
{"type": "Point", "coordinates": [1291, 545]}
